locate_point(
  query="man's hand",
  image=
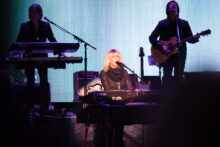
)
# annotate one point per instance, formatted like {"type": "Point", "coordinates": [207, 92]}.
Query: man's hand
{"type": "Point", "coordinates": [17, 56]}
{"type": "Point", "coordinates": [165, 50]}
{"type": "Point", "coordinates": [63, 54]}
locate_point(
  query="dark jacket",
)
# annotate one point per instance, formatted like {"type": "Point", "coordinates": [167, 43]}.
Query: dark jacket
{"type": "Point", "coordinates": [28, 34]}
{"type": "Point", "coordinates": [167, 29]}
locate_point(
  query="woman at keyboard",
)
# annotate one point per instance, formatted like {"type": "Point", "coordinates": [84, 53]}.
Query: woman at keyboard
{"type": "Point", "coordinates": [114, 77]}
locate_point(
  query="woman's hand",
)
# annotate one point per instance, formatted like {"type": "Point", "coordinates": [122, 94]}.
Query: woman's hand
{"type": "Point", "coordinates": [117, 98]}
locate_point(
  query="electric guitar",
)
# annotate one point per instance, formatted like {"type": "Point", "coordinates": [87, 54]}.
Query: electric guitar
{"type": "Point", "coordinates": [172, 44]}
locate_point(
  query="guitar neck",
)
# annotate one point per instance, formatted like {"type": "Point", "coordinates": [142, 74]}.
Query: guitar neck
{"type": "Point", "coordinates": [183, 41]}
{"type": "Point", "coordinates": [188, 38]}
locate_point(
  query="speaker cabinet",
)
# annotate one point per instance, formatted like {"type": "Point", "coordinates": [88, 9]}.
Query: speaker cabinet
{"type": "Point", "coordinates": [79, 80]}
{"type": "Point", "coordinates": [155, 81]}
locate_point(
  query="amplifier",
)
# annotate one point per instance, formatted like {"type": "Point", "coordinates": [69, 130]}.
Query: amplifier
{"type": "Point", "coordinates": [79, 80]}
{"type": "Point", "coordinates": [155, 81]}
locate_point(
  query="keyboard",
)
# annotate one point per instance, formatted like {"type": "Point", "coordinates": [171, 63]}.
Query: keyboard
{"type": "Point", "coordinates": [43, 47]}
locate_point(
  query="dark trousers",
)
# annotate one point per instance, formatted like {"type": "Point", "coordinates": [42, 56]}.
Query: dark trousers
{"type": "Point", "coordinates": [109, 135]}
{"type": "Point", "coordinates": [114, 135]}
{"type": "Point", "coordinates": [176, 63]}
{"type": "Point", "coordinates": [44, 86]}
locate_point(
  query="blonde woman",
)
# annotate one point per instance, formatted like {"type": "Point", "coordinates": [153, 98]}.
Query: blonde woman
{"type": "Point", "coordinates": [113, 77]}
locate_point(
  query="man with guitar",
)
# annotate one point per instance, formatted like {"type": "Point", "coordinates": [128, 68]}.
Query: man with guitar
{"type": "Point", "coordinates": [174, 52]}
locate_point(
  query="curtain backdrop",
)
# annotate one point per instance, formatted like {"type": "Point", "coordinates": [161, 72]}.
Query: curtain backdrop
{"type": "Point", "coordinates": [121, 24]}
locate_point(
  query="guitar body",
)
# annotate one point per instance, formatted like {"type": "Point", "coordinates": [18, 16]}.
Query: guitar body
{"type": "Point", "coordinates": [161, 57]}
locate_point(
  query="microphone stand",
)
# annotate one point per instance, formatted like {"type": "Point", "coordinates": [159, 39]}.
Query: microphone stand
{"type": "Point", "coordinates": [142, 80]}
{"type": "Point", "coordinates": [85, 47]}
{"type": "Point", "coordinates": [178, 30]}
{"type": "Point", "coordinates": [178, 37]}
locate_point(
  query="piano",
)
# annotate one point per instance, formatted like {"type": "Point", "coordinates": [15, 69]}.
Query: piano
{"type": "Point", "coordinates": [130, 113]}
{"type": "Point", "coordinates": [126, 95]}
{"type": "Point", "coordinates": [43, 47]}
{"type": "Point", "coordinates": [49, 62]}
{"type": "Point", "coordinates": [144, 108]}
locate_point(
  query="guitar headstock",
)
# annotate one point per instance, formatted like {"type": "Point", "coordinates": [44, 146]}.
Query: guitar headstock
{"type": "Point", "coordinates": [206, 32]}
{"type": "Point", "coordinates": [141, 53]}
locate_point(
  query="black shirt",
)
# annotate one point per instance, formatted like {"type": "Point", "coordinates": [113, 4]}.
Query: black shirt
{"type": "Point", "coordinates": [122, 83]}
{"type": "Point", "coordinates": [27, 33]}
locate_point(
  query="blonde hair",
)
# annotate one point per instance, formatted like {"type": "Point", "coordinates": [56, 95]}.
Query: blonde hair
{"type": "Point", "coordinates": [108, 56]}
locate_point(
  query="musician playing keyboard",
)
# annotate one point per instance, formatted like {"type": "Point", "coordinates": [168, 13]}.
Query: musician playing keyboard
{"type": "Point", "coordinates": [36, 30]}
{"type": "Point", "coordinates": [113, 77]}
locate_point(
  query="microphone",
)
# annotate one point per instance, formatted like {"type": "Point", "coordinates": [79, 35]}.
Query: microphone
{"type": "Point", "coordinates": [48, 20]}
{"type": "Point", "coordinates": [176, 11]}
{"type": "Point", "coordinates": [120, 64]}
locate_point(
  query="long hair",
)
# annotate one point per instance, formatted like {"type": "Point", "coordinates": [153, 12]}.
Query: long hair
{"type": "Point", "coordinates": [108, 56]}
{"type": "Point", "coordinates": [38, 8]}
{"type": "Point", "coordinates": [172, 1]}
